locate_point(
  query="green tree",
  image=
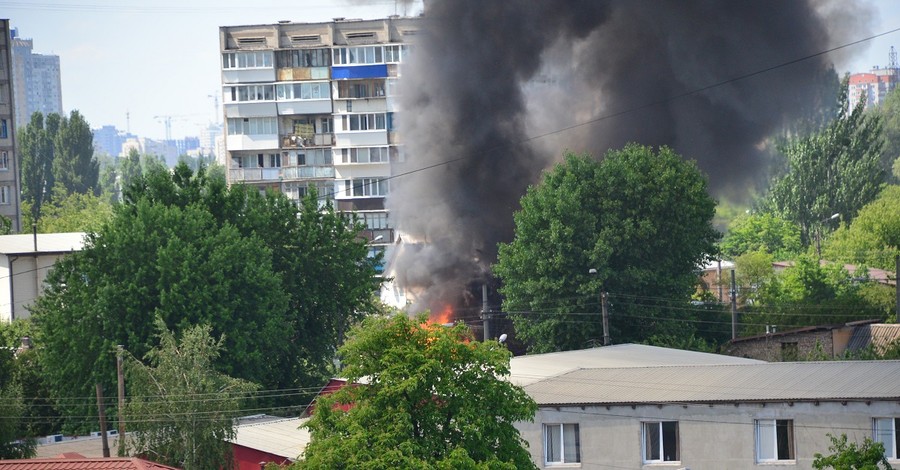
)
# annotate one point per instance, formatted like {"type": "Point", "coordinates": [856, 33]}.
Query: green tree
{"type": "Point", "coordinates": [889, 113]}
{"type": "Point", "coordinates": [640, 218]}
{"type": "Point", "coordinates": [835, 171]}
{"type": "Point", "coordinates": [433, 398]}
{"type": "Point", "coordinates": [180, 410]}
{"type": "Point", "coordinates": [278, 280]}
{"type": "Point", "coordinates": [70, 213]}
{"type": "Point", "coordinates": [753, 272]}
{"type": "Point", "coordinates": [873, 237]}
{"type": "Point", "coordinates": [12, 411]}
{"type": "Point", "coordinates": [762, 232]}
{"type": "Point", "coordinates": [808, 294]}
{"type": "Point", "coordinates": [36, 153]}
{"type": "Point", "coordinates": [74, 165]}
{"type": "Point", "coordinates": [852, 456]}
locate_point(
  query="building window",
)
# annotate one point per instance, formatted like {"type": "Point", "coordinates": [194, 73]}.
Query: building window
{"type": "Point", "coordinates": [365, 155]}
{"type": "Point", "coordinates": [358, 55]}
{"type": "Point", "coordinates": [304, 91]}
{"type": "Point", "coordinates": [361, 88]}
{"type": "Point", "coordinates": [774, 440]}
{"type": "Point", "coordinates": [660, 441]}
{"type": "Point", "coordinates": [561, 444]}
{"type": "Point", "coordinates": [5, 196]}
{"type": "Point", "coordinates": [4, 131]}
{"type": "Point", "coordinates": [886, 433]}
{"type": "Point", "coordinates": [299, 58]}
{"type": "Point", "coordinates": [247, 60]}
{"type": "Point", "coordinates": [4, 161]}
{"type": "Point", "coordinates": [366, 187]}
{"type": "Point", "coordinates": [395, 53]}
{"type": "Point", "coordinates": [252, 126]}
{"type": "Point", "coordinates": [250, 93]}
{"type": "Point", "coordinates": [363, 122]}
{"type": "Point", "coordinates": [375, 220]}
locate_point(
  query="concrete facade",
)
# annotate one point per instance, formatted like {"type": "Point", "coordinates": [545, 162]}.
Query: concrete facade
{"type": "Point", "coordinates": [10, 183]}
{"type": "Point", "coordinates": [710, 437]}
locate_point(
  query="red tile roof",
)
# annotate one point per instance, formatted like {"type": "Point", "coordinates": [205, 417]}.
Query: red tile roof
{"type": "Point", "coordinates": [83, 463]}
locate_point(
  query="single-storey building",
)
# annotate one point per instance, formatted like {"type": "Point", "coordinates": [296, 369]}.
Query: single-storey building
{"type": "Point", "coordinates": [25, 260]}
{"type": "Point", "coordinates": [832, 341]}
{"type": "Point", "coordinates": [639, 407]}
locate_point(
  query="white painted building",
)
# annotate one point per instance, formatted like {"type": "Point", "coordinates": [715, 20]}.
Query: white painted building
{"type": "Point", "coordinates": [641, 407]}
{"type": "Point", "coordinates": [311, 105]}
{"type": "Point", "coordinates": [25, 261]}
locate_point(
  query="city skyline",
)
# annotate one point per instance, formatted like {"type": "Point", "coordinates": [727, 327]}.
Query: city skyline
{"type": "Point", "coordinates": [131, 65]}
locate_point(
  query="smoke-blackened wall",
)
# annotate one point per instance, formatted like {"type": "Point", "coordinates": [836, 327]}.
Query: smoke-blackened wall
{"type": "Point", "coordinates": [489, 76]}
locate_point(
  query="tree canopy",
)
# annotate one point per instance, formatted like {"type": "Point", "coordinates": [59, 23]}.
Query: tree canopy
{"type": "Point", "coordinates": [641, 218]}
{"type": "Point", "coordinates": [180, 410]}
{"type": "Point", "coordinates": [873, 237]}
{"type": "Point", "coordinates": [56, 150]}
{"type": "Point", "coordinates": [835, 171]}
{"type": "Point", "coordinates": [432, 397]}
{"type": "Point", "coordinates": [852, 456]}
{"type": "Point", "coordinates": [763, 231]}
{"type": "Point", "coordinates": [277, 280]}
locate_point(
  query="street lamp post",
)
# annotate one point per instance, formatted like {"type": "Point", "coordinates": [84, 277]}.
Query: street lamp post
{"type": "Point", "coordinates": [819, 233]}
{"type": "Point", "coordinates": [603, 312]}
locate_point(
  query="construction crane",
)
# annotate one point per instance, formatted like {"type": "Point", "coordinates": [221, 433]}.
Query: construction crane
{"type": "Point", "coordinates": [167, 121]}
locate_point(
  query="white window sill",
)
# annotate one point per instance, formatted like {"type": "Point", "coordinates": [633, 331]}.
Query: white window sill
{"type": "Point", "coordinates": [777, 462]}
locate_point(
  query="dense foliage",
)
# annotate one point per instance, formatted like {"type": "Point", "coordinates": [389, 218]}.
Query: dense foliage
{"type": "Point", "coordinates": [432, 398]}
{"type": "Point", "coordinates": [852, 456]}
{"type": "Point", "coordinates": [640, 218]}
{"type": "Point", "coordinates": [873, 238]}
{"type": "Point", "coordinates": [180, 410]}
{"type": "Point", "coordinates": [834, 171]}
{"type": "Point", "coordinates": [12, 412]}
{"type": "Point", "coordinates": [278, 280]}
{"type": "Point", "coordinates": [764, 232]}
{"type": "Point", "coordinates": [56, 150]}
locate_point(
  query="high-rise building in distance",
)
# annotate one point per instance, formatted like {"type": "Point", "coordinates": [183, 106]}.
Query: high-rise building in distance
{"type": "Point", "coordinates": [37, 83]}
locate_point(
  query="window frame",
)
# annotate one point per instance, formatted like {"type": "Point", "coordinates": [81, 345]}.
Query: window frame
{"type": "Point", "coordinates": [776, 423]}
{"type": "Point", "coordinates": [4, 160]}
{"type": "Point", "coordinates": [547, 428]}
{"type": "Point", "coordinates": [890, 453]}
{"type": "Point", "coordinates": [5, 196]}
{"type": "Point", "coordinates": [661, 437]}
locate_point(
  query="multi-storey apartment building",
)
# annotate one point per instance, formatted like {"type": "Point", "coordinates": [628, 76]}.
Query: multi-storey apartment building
{"type": "Point", "coordinates": [312, 105]}
{"type": "Point", "coordinates": [9, 169]}
{"type": "Point", "coordinates": [37, 82]}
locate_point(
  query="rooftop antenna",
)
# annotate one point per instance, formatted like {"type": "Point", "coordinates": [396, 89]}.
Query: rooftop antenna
{"type": "Point", "coordinates": [127, 121]}
{"type": "Point", "coordinates": [892, 62]}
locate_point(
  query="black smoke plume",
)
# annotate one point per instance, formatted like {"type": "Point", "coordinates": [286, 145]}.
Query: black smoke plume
{"type": "Point", "coordinates": [492, 81]}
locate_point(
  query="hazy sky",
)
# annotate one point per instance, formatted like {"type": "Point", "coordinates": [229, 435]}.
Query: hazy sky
{"type": "Point", "coordinates": [161, 57]}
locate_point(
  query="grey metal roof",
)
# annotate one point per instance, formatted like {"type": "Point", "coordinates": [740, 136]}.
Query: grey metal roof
{"type": "Point", "coordinates": [46, 243]}
{"type": "Point", "coordinates": [532, 368]}
{"type": "Point", "coordinates": [283, 437]}
{"type": "Point", "coordinates": [780, 381]}
{"type": "Point", "coordinates": [880, 336]}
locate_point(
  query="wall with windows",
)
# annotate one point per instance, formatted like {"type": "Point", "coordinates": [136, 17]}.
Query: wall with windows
{"type": "Point", "coordinates": [704, 436]}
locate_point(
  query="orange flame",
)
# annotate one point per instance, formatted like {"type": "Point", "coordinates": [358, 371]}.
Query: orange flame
{"type": "Point", "coordinates": [442, 317]}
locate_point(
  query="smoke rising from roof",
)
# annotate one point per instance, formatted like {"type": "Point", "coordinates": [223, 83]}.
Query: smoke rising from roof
{"type": "Point", "coordinates": [488, 75]}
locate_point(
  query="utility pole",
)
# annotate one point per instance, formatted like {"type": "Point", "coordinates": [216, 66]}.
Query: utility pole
{"type": "Point", "coordinates": [485, 313]}
{"type": "Point", "coordinates": [605, 314]}
{"type": "Point", "coordinates": [121, 376]}
{"type": "Point", "coordinates": [897, 283]}
{"type": "Point", "coordinates": [102, 412]}
{"type": "Point", "coordinates": [733, 307]}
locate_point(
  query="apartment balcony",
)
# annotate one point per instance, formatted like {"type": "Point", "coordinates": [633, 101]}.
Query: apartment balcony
{"type": "Point", "coordinates": [254, 174]}
{"type": "Point", "coordinates": [307, 172]}
{"type": "Point", "coordinates": [297, 141]}
{"type": "Point", "coordinates": [372, 236]}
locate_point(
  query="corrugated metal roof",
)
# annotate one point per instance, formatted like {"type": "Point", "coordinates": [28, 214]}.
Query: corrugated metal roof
{"type": "Point", "coordinates": [881, 336]}
{"type": "Point", "coordinates": [83, 464]}
{"type": "Point", "coordinates": [780, 381]}
{"type": "Point", "coordinates": [283, 437]}
{"type": "Point", "coordinates": [532, 368]}
{"type": "Point", "coordinates": [46, 243]}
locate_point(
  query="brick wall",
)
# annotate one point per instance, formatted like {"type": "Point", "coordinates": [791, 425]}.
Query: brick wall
{"type": "Point", "coordinates": [777, 348]}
